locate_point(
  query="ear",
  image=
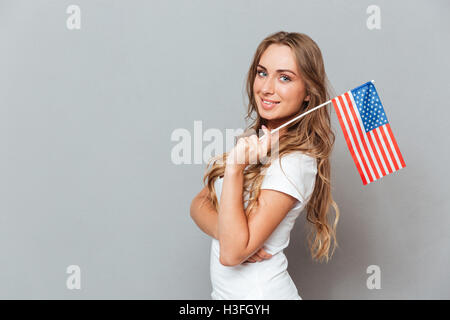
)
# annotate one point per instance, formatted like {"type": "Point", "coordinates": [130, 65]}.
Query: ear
{"type": "Point", "coordinates": [307, 98]}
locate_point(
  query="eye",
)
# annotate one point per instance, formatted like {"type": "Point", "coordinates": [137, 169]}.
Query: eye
{"type": "Point", "coordinates": [259, 72]}
{"type": "Point", "coordinates": [286, 78]}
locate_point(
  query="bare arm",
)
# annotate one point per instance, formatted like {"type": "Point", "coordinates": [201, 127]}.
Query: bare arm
{"type": "Point", "coordinates": [233, 226]}
{"type": "Point", "coordinates": [240, 237]}
{"type": "Point", "coordinates": [204, 214]}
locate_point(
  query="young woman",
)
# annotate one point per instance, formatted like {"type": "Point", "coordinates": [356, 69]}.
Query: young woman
{"type": "Point", "coordinates": [260, 200]}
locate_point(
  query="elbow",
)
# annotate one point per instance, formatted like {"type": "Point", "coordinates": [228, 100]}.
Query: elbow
{"type": "Point", "coordinates": [228, 261]}
{"type": "Point", "coordinates": [195, 206]}
{"type": "Point", "coordinates": [191, 213]}
{"type": "Point", "coordinates": [192, 209]}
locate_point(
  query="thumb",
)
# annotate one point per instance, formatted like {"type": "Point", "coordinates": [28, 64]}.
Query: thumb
{"type": "Point", "coordinates": [267, 134]}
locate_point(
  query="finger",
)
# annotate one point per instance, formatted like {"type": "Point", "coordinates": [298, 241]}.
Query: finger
{"type": "Point", "coordinates": [275, 139]}
{"type": "Point", "coordinates": [248, 142]}
{"type": "Point", "coordinates": [268, 137]}
{"type": "Point", "coordinates": [253, 140]}
{"type": "Point", "coordinates": [265, 254]}
{"type": "Point", "coordinates": [253, 149]}
{"type": "Point", "coordinates": [260, 255]}
{"type": "Point", "coordinates": [256, 258]}
{"type": "Point", "coordinates": [266, 134]}
{"type": "Point", "coordinates": [265, 143]}
{"type": "Point", "coordinates": [242, 151]}
{"type": "Point", "coordinates": [241, 143]}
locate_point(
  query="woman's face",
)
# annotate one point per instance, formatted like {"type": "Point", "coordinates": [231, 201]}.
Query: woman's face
{"type": "Point", "coordinates": [278, 88]}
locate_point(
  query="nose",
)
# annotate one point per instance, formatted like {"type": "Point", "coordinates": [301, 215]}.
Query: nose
{"type": "Point", "coordinates": [268, 86]}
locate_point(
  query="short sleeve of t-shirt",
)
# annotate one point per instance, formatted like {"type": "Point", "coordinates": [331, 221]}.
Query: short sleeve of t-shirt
{"type": "Point", "coordinates": [295, 177]}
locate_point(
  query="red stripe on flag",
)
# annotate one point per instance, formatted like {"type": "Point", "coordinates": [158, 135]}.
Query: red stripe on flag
{"type": "Point", "coordinates": [349, 143]}
{"type": "Point", "coordinates": [386, 161]}
{"type": "Point", "coordinates": [361, 134]}
{"type": "Point", "coordinates": [380, 163]}
{"type": "Point", "coordinates": [354, 139]}
{"type": "Point", "coordinates": [395, 145]}
{"type": "Point", "coordinates": [388, 145]}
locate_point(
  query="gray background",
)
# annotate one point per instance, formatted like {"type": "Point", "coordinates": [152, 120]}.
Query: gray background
{"type": "Point", "coordinates": [86, 117]}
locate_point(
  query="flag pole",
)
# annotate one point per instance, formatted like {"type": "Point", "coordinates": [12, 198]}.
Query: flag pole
{"type": "Point", "coordinates": [302, 115]}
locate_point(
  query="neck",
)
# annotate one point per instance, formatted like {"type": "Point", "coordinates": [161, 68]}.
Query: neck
{"type": "Point", "coordinates": [273, 124]}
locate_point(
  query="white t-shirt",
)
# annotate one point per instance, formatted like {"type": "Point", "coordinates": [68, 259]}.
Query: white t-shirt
{"type": "Point", "coordinates": [267, 279]}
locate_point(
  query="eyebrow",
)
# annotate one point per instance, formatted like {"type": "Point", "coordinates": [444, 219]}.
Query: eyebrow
{"type": "Point", "coordinates": [279, 70]}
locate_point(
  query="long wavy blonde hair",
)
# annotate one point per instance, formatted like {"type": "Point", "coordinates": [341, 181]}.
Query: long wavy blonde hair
{"type": "Point", "coordinates": [310, 134]}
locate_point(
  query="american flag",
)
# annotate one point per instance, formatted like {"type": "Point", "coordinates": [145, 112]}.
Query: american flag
{"type": "Point", "coordinates": [368, 133]}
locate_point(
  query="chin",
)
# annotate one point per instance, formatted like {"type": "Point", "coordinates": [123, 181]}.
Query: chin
{"type": "Point", "coordinates": [269, 115]}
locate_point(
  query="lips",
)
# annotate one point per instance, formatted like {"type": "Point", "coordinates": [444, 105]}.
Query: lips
{"type": "Point", "coordinates": [269, 104]}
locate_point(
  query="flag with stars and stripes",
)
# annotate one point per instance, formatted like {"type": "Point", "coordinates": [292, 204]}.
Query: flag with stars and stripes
{"type": "Point", "coordinates": [368, 133]}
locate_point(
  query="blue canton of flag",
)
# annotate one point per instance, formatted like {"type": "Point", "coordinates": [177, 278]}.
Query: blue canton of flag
{"type": "Point", "coordinates": [369, 106]}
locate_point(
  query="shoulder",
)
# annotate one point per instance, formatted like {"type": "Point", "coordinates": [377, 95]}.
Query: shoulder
{"type": "Point", "coordinates": [295, 162]}
{"type": "Point", "coordinates": [294, 173]}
